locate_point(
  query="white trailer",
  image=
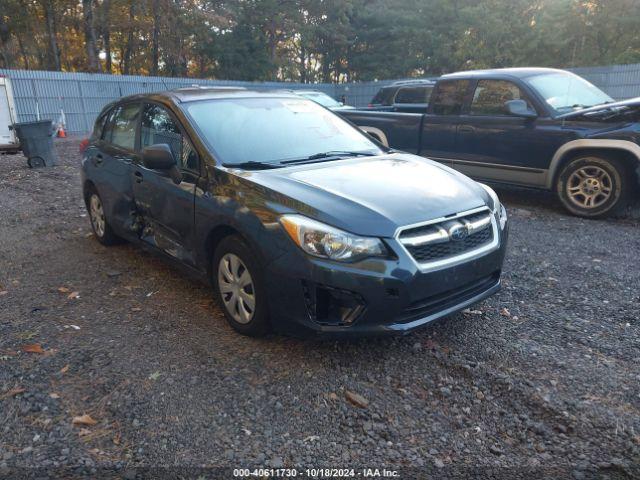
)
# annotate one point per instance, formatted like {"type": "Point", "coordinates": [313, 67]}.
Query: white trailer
{"type": "Point", "coordinates": [8, 139]}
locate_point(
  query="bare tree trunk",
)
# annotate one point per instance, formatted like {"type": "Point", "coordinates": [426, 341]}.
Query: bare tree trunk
{"type": "Point", "coordinates": [5, 36]}
{"type": "Point", "coordinates": [93, 63]}
{"type": "Point", "coordinates": [128, 50]}
{"type": "Point", "coordinates": [23, 53]}
{"type": "Point", "coordinates": [54, 51]}
{"type": "Point", "coordinates": [155, 38]}
{"type": "Point", "coordinates": [106, 34]}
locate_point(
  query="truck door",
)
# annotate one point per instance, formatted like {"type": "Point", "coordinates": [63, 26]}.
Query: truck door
{"type": "Point", "coordinates": [166, 209]}
{"type": "Point", "coordinates": [495, 145]}
{"type": "Point", "coordinates": [441, 121]}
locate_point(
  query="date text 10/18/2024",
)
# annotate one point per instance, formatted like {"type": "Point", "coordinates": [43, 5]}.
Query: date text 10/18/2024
{"type": "Point", "coordinates": [315, 473]}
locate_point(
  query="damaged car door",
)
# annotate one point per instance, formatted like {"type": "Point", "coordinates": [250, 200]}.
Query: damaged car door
{"type": "Point", "coordinates": [164, 197]}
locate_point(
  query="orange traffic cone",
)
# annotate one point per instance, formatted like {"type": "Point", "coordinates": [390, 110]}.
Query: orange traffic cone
{"type": "Point", "coordinates": [61, 132]}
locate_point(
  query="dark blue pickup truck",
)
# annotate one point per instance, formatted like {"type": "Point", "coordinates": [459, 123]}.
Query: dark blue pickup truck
{"type": "Point", "coordinates": [535, 127]}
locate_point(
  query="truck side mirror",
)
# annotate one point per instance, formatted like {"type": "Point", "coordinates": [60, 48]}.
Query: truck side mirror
{"type": "Point", "coordinates": [519, 108]}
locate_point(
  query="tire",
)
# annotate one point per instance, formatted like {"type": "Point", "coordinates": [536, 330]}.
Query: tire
{"type": "Point", "coordinates": [593, 186]}
{"type": "Point", "coordinates": [99, 224]}
{"type": "Point", "coordinates": [244, 304]}
{"type": "Point", "coordinates": [36, 162]}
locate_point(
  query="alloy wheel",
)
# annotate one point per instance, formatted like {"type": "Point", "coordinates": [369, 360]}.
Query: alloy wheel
{"type": "Point", "coordinates": [589, 187]}
{"type": "Point", "coordinates": [236, 288]}
{"type": "Point", "coordinates": [97, 215]}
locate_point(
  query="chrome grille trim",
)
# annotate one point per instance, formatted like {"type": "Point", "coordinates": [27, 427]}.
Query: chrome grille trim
{"type": "Point", "coordinates": [440, 235]}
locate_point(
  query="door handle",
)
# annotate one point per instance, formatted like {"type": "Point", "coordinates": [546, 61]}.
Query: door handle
{"type": "Point", "coordinates": [98, 158]}
{"type": "Point", "coordinates": [138, 176]}
{"type": "Point", "coordinates": [466, 129]}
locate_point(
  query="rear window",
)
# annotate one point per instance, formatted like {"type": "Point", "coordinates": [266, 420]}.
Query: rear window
{"type": "Point", "coordinates": [449, 97]}
{"type": "Point", "coordinates": [414, 95]}
{"type": "Point", "coordinates": [384, 96]}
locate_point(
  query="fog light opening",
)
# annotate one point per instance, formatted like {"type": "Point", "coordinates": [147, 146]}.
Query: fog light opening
{"type": "Point", "coordinates": [332, 306]}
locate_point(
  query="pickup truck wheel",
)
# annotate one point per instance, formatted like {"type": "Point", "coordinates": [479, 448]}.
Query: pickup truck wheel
{"type": "Point", "coordinates": [101, 228]}
{"type": "Point", "coordinates": [593, 186]}
{"type": "Point", "coordinates": [237, 280]}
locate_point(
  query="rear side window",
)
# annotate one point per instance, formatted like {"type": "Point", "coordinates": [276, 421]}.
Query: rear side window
{"type": "Point", "coordinates": [384, 96]}
{"type": "Point", "coordinates": [448, 97]}
{"type": "Point", "coordinates": [490, 97]}
{"type": "Point", "coordinates": [98, 127]}
{"type": "Point", "coordinates": [121, 130]}
{"type": "Point", "coordinates": [413, 95]}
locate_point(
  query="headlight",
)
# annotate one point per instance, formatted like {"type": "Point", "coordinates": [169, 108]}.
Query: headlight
{"type": "Point", "coordinates": [324, 241]}
{"type": "Point", "coordinates": [498, 209]}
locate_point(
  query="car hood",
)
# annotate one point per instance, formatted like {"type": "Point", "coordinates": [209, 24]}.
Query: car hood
{"type": "Point", "coordinates": [608, 111]}
{"type": "Point", "coordinates": [373, 195]}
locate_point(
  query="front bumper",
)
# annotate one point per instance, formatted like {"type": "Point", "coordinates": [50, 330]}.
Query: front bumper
{"type": "Point", "coordinates": [314, 297]}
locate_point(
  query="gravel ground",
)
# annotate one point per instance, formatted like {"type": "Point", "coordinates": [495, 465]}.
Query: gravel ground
{"type": "Point", "coordinates": [541, 380]}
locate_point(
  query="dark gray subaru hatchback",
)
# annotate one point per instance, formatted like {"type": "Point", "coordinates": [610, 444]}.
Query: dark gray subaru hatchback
{"type": "Point", "coordinates": [301, 222]}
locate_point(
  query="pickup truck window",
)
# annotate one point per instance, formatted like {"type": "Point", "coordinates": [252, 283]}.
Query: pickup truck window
{"type": "Point", "coordinates": [413, 95]}
{"type": "Point", "coordinates": [491, 95]}
{"type": "Point", "coordinates": [448, 97]}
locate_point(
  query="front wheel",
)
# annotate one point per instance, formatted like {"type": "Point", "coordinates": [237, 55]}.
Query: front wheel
{"type": "Point", "coordinates": [238, 284]}
{"type": "Point", "coordinates": [593, 186]}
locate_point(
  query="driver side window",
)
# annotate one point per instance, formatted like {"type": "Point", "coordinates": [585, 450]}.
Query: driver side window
{"type": "Point", "coordinates": [159, 127]}
{"type": "Point", "coordinates": [490, 97]}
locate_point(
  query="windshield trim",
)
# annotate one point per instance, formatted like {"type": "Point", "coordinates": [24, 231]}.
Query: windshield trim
{"type": "Point", "coordinates": [218, 159]}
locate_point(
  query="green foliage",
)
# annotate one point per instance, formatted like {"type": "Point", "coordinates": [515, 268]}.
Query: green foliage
{"type": "Point", "coordinates": [316, 40]}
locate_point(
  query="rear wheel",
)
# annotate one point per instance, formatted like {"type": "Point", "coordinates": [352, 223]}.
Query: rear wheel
{"type": "Point", "coordinates": [101, 228]}
{"type": "Point", "coordinates": [239, 287]}
{"type": "Point", "coordinates": [593, 186]}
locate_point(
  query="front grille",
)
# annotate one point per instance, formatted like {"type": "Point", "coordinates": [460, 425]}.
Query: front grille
{"type": "Point", "coordinates": [450, 238]}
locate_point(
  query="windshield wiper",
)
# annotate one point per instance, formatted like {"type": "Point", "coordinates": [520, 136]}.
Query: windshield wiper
{"type": "Point", "coordinates": [337, 154]}
{"type": "Point", "coordinates": [251, 165]}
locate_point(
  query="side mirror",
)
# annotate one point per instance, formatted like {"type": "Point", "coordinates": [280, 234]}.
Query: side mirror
{"type": "Point", "coordinates": [160, 157]}
{"type": "Point", "coordinates": [519, 108]}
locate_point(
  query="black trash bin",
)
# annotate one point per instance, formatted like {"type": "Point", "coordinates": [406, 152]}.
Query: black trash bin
{"type": "Point", "coordinates": [36, 141]}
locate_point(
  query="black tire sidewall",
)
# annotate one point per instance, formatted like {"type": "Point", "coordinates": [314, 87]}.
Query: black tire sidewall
{"type": "Point", "coordinates": [259, 324]}
{"type": "Point", "coordinates": [615, 170]}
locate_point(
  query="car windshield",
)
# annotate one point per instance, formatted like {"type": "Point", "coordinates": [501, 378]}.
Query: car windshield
{"type": "Point", "coordinates": [321, 98]}
{"type": "Point", "coordinates": [272, 130]}
{"type": "Point", "coordinates": [565, 91]}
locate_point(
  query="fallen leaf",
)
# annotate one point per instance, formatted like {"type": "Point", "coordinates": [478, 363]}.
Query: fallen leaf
{"type": "Point", "coordinates": [65, 369]}
{"type": "Point", "coordinates": [472, 312]}
{"type": "Point", "coordinates": [63, 290]}
{"type": "Point", "coordinates": [136, 309]}
{"type": "Point", "coordinates": [116, 439]}
{"type": "Point", "coordinates": [12, 393]}
{"type": "Point", "coordinates": [3, 292]}
{"type": "Point", "coordinates": [505, 312]}
{"type": "Point", "coordinates": [356, 399]}
{"type": "Point", "coordinates": [154, 376]}
{"type": "Point", "coordinates": [73, 295]}
{"type": "Point", "coordinates": [83, 420]}
{"type": "Point", "coordinates": [35, 348]}
{"type": "Point", "coordinates": [53, 395]}
{"type": "Point", "coordinates": [84, 432]}
{"type": "Point", "coordinates": [333, 396]}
